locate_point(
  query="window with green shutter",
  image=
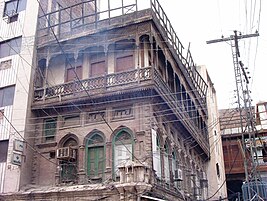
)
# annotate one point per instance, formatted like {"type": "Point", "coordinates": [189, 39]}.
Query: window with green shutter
{"type": "Point", "coordinates": [95, 157]}
{"type": "Point", "coordinates": [122, 150]}
{"type": "Point", "coordinates": [50, 126]}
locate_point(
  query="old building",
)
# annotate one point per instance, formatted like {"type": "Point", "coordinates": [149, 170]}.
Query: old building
{"type": "Point", "coordinates": [234, 153]}
{"type": "Point", "coordinates": [215, 165]}
{"type": "Point", "coordinates": [119, 110]}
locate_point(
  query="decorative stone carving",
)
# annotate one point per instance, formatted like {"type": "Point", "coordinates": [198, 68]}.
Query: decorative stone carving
{"type": "Point", "coordinates": [134, 180]}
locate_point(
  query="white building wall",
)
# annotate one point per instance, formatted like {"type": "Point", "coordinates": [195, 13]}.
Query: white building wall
{"type": "Point", "coordinates": [19, 74]}
{"type": "Point", "coordinates": [216, 153]}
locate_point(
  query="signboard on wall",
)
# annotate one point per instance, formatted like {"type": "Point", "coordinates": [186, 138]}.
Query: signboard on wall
{"type": "Point", "coordinates": [18, 145]}
{"type": "Point", "coordinates": [16, 159]}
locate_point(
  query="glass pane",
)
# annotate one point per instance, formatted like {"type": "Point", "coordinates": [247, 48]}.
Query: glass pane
{"type": "Point", "coordinates": [8, 96]}
{"type": "Point", "coordinates": [22, 5]}
{"type": "Point", "coordinates": [50, 128]}
{"type": "Point", "coordinates": [10, 8]}
{"type": "Point", "coordinates": [15, 46]}
{"type": "Point", "coordinates": [4, 49]}
{"type": "Point", "coordinates": [1, 97]}
{"type": "Point", "coordinates": [3, 150]}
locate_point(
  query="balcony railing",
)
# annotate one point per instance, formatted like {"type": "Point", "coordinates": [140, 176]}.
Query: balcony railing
{"type": "Point", "coordinates": [177, 106]}
{"type": "Point", "coordinates": [67, 23]}
{"type": "Point", "coordinates": [93, 85]}
{"type": "Point", "coordinates": [138, 77]}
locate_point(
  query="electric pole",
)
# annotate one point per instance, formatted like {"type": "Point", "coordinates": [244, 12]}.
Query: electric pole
{"type": "Point", "coordinates": [246, 114]}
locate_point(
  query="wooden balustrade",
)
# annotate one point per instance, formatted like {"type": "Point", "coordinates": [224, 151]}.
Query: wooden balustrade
{"type": "Point", "coordinates": [91, 84]}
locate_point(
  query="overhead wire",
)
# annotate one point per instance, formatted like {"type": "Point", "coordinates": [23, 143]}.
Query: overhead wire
{"type": "Point", "coordinates": [78, 79]}
{"type": "Point", "coordinates": [257, 44]}
{"type": "Point", "coordinates": [22, 137]}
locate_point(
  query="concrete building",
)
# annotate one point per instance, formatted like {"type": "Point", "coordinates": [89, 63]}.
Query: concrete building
{"type": "Point", "coordinates": [215, 165]}
{"type": "Point", "coordinates": [17, 51]}
{"type": "Point", "coordinates": [118, 109]}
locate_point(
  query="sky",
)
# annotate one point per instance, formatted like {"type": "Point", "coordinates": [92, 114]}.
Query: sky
{"type": "Point", "coordinates": [196, 22]}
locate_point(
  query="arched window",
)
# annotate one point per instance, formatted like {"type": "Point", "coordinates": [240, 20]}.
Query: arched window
{"type": "Point", "coordinates": [166, 163]}
{"type": "Point", "coordinates": [156, 153]}
{"type": "Point", "coordinates": [68, 160]}
{"type": "Point", "coordinates": [95, 156]}
{"type": "Point", "coordinates": [122, 149]}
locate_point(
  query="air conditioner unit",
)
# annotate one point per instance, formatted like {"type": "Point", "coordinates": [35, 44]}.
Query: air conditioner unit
{"type": "Point", "coordinates": [12, 16]}
{"type": "Point", "coordinates": [178, 175]}
{"type": "Point", "coordinates": [66, 153]}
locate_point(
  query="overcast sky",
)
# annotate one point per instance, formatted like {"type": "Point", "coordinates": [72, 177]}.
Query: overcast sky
{"type": "Point", "coordinates": [198, 21]}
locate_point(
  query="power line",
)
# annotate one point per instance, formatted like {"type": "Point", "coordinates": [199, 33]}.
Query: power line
{"type": "Point", "coordinates": [35, 150]}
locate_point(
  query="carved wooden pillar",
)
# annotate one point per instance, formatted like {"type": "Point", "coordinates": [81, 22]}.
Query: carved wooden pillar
{"type": "Point", "coordinates": [153, 62]}
{"type": "Point", "coordinates": [137, 44]}
{"type": "Point", "coordinates": [81, 165]}
{"type": "Point", "coordinates": [45, 84]}
{"type": "Point", "coordinates": [166, 65]}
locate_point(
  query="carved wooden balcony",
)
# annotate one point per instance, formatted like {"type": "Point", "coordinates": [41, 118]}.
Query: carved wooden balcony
{"type": "Point", "coordinates": [130, 80]}
{"type": "Point", "coordinates": [71, 25]}
{"type": "Point", "coordinates": [93, 85]}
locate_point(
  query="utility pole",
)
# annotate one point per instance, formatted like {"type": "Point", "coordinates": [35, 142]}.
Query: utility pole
{"type": "Point", "coordinates": [247, 122]}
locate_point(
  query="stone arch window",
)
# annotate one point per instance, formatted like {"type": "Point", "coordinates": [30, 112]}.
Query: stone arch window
{"type": "Point", "coordinates": [95, 148]}
{"type": "Point", "coordinates": [68, 155]}
{"type": "Point", "coordinates": [156, 153]}
{"type": "Point", "coordinates": [122, 149]}
{"type": "Point", "coordinates": [166, 163]}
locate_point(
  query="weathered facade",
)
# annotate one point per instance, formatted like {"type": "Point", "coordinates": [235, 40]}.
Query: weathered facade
{"type": "Point", "coordinates": [215, 165]}
{"type": "Point", "coordinates": [119, 109]}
